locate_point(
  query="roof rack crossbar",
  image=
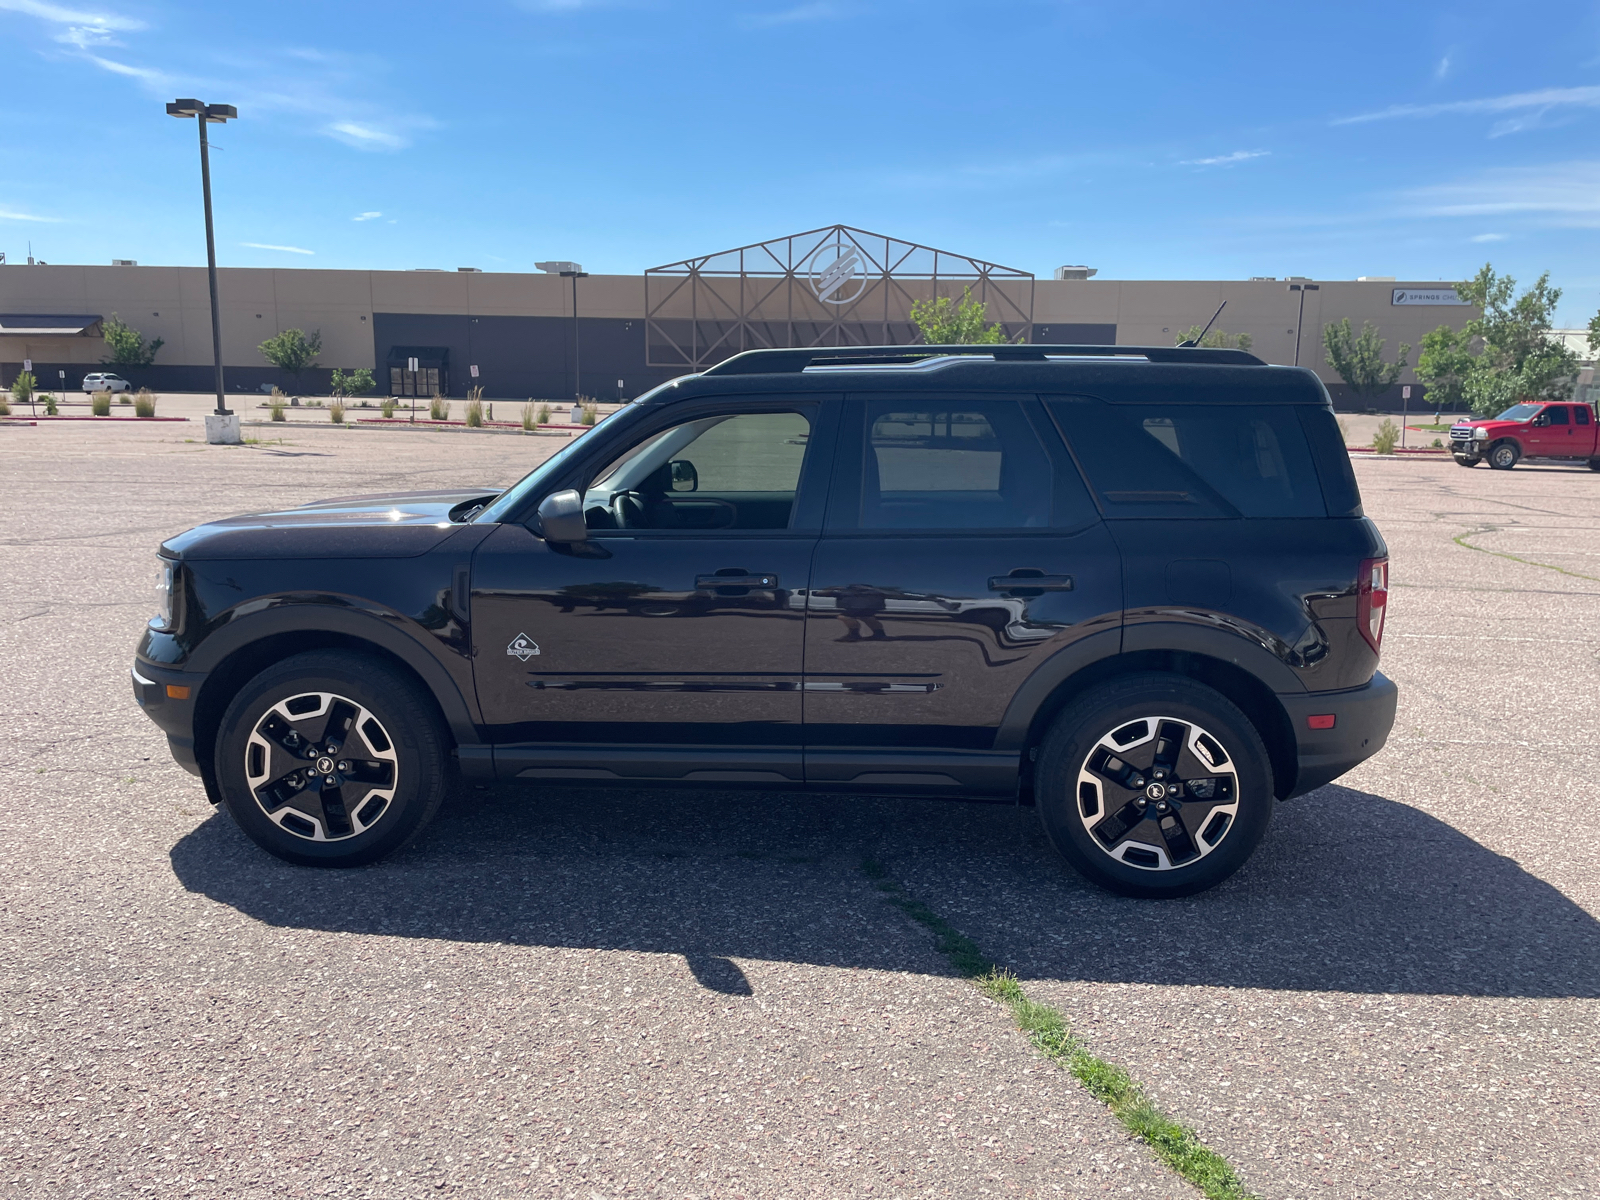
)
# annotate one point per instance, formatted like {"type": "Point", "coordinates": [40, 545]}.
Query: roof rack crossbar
{"type": "Point", "coordinates": [792, 361]}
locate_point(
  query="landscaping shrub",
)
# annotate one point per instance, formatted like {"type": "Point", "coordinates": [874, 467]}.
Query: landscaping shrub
{"type": "Point", "coordinates": [475, 408]}
{"type": "Point", "coordinates": [144, 404]}
{"type": "Point", "coordinates": [1387, 437]}
{"type": "Point", "coordinates": [100, 404]}
{"type": "Point", "coordinates": [388, 407]}
{"type": "Point", "coordinates": [439, 408]}
{"type": "Point", "coordinates": [49, 405]}
{"type": "Point", "coordinates": [336, 411]}
{"type": "Point", "coordinates": [275, 407]}
{"type": "Point", "coordinates": [530, 420]}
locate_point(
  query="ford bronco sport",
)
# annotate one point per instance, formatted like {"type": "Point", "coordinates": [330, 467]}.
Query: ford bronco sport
{"type": "Point", "coordinates": [1130, 586]}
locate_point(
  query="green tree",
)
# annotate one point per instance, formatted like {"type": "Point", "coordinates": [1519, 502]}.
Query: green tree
{"type": "Point", "coordinates": [1216, 339]}
{"type": "Point", "coordinates": [1516, 358]}
{"type": "Point", "coordinates": [293, 351]}
{"type": "Point", "coordinates": [945, 322]}
{"type": "Point", "coordinates": [1359, 358]}
{"type": "Point", "coordinates": [125, 345]}
{"type": "Point", "coordinates": [1443, 365]}
{"type": "Point", "coordinates": [358, 383]}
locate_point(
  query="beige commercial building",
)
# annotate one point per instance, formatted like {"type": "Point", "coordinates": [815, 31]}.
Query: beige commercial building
{"type": "Point", "coordinates": [515, 334]}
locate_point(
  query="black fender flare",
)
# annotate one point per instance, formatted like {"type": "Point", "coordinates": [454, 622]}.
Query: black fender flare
{"type": "Point", "coordinates": [388, 631]}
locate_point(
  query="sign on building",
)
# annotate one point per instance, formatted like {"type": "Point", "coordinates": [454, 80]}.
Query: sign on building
{"type": "Point", "coordinates": [1426, 296]}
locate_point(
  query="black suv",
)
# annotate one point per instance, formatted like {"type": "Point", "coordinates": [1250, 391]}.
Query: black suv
{"type": "Point", "coordinates": [1132, 586]}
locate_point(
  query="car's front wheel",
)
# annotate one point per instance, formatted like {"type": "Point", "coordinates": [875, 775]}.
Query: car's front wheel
{"type": "Point", "coordinates": [1154, 785]}
{"type": "Point", "coordinates": [1504, 456]}
{"type": "Point", "coordinates": [331, 759]}
{"type": "Point", "coordinates": [1463, 461]}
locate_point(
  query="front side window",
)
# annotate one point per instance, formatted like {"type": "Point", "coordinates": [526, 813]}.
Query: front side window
{"type": "Point", "coordinates": [954, 465]}
{"type": "Point", "coordinates": [1193, 460]}
{"type": "Point", "coordinates": [734, 471]}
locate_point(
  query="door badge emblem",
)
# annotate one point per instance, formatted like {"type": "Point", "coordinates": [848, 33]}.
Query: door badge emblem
{"type": "Point", "coordinates": [522, 647]}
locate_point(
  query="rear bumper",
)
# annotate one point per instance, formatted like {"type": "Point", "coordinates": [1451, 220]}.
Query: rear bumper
{"type": "Point", "coordinates": [154, 691]}
{"type": "Point", "coordinates": [1362, 718]}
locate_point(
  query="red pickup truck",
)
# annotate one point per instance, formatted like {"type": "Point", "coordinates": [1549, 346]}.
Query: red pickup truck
{"type": "Point", "coordinates": [1533, 429]}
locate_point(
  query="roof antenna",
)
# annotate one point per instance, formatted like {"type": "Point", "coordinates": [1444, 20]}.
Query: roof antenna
{"type": "Point", "coordinates": [1195, 341]}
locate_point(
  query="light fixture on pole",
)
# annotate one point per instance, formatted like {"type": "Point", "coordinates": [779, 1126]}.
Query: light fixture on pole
{"type": "Point", "coordinates": [573, 271]}
{"type": "Point", "coordinates": [222, 426]}
{"type": "Point", "coordinates": [1300, 321]}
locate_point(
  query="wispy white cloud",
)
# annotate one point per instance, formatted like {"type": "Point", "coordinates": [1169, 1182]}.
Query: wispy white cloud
{"type": "Point", "coordinates": [366, 216]}
{"type": "Point", "coordinates": [146, 75]}
{"type": "Point", "coordinates": [8, 214]}
{"type": "Point", "coordinates": [1226, 160]}
{"type": "Point", "coordinates": [1443, 69]}
{"type": "Point", "coordinates": [365, 137]}
{"type": "Point", "coordinates": [284, 249]}
{"type": "Point", "coordinates": [1488, 237]}
{"type": "Point", "coordinates": [76, 27]}
{"type": "Point", "coordinates": [1582, 97]}
{"type": "Point", "coordinates": [817, 10]}
{"type": "Point", "coordinates": [1567, 194]}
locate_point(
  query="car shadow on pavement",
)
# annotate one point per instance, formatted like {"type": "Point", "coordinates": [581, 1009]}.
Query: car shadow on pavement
{"type": "Point", "coordinates": [1349, 892]}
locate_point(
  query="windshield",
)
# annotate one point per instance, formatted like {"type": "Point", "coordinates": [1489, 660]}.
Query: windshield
{"type": "Point", "coordinates": [1520, 412]}
{"type": "Point", "coordinates": [510, 499]}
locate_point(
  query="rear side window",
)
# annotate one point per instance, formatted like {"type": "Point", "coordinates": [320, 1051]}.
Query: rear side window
{"type": "Point", "coordinates": [961, 464]}
{"type": "Point", "coordinates": [1193, 460]}
{"type": "Point", "coordinates": [1582, 413]}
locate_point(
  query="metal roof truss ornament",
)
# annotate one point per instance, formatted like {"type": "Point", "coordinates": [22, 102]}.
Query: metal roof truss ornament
{"type": "Point", "coordinates": [836, 286]}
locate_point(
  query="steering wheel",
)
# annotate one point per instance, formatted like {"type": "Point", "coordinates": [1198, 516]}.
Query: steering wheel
{"type": "Point", "coordinates": [629, 510]}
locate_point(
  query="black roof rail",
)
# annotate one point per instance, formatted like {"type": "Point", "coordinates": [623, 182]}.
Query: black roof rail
{"type": "Point", "coordinates": [790, 361]}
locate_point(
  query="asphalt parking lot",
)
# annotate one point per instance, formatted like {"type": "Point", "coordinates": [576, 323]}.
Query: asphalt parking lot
{"type": "Point", "coordinates": [698, 994]}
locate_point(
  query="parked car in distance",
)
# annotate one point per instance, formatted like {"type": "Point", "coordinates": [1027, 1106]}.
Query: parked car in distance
{"type": "Point", "coordinates": [105, 381]}
{"type": "Point", "coordinates": [1133, 587]}
{"type": "Point", "coordinates": [1532, 429]}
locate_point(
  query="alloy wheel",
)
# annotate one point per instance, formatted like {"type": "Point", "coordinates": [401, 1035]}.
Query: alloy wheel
{"type": "Point", "coordinates": [321, 766]}
{"type": "Point", "coordinates": [1157, 793]}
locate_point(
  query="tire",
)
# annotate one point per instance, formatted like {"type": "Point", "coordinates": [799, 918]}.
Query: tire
{"type": "Point", "coordinates": [1210, 836]}
{"type": "Point", "coordinates": [302, 711]}
{"type": "Point", "coordinates": [1504, 455]}
{"type": "Point", "coordinates": [1594, 464]}
{"type": "Point", "coordinates": [1464, 462]}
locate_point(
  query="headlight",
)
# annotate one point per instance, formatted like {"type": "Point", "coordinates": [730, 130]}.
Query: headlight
{"type": "Point", "coordinates": [1480, 435]}
{"type": "Point", "coordinates": [166, 580]}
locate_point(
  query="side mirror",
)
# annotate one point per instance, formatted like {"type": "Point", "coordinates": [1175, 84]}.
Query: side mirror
{"type": "Point", "coordinates": [684, 477]}
{"type": "Point", "coordinates": [561, 517]}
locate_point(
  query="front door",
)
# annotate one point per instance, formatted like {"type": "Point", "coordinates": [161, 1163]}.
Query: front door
{"type": "Point", "coordinates": [961, 551]}
{"type": "Point", "coordinates": [670, 645]}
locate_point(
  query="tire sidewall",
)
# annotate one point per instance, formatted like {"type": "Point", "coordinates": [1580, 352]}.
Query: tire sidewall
{"type": "Point", "coordinates": [414, 731]}
{"type": "Point", "coordinates": [1106, 708]}
{"type": "Point", "coordinates": [1502, 451]}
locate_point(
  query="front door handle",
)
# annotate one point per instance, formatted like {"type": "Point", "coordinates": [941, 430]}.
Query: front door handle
{"type": "Point", "coordinates": [1028, 581]}
{"type": "Point", "coordinates": [737, 579]}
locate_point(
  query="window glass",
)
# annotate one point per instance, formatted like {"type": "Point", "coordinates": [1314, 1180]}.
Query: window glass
{"type": "Point", "coordinates": [727, 471]}
{"type": "Point", "coordinates": [1582, 413]}
{"type": "Point", "coordinates": [1557, 414]}
{"type": "Point", "coordinates": [1193, 460]}
{"type": "Point", "coordinates": [954, 465]}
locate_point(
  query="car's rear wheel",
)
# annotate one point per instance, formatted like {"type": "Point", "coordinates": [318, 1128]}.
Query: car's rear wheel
{"type": "Point", "coordinates": [1504, 456]}
{"type": "Point", "coordinates": [331, 759]}
{"type": "Point", "coordinates": [1594, 464]}
{"type": "Point", "coordinates": [1154, 785]}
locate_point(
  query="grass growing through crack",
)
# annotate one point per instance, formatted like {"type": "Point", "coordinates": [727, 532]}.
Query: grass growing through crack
{"type": "Point", "coordinates": [1178, 1146]}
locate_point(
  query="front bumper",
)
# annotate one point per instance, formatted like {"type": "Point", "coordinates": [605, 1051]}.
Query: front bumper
{"type": "Point", "coordinates": [168, 698]}
{"type": "Point", "coordinates": [1362, 717]}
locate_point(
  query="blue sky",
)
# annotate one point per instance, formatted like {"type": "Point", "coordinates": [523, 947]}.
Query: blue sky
{"type": "Point", "coordinates": [1149, 140]}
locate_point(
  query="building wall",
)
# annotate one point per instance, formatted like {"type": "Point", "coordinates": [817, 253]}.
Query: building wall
{"type": "Point", "coordinates": [518, 327]}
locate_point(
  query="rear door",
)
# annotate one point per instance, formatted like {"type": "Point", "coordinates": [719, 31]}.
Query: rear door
{"type": "Point", "coordinates": [1583, 429]}
{"type": "Point", "coordinates": [961, 551]}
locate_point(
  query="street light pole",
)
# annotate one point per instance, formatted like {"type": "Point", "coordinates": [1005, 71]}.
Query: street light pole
{"type": "Point", "coordinates": [577, 360]}
{"type": "Point", "coordinates": [210, 114]}
{"type": "Point", "coordinates": [1300, 321]}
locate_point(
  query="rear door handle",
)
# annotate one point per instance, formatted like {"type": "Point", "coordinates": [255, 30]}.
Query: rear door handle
{"type": "Point", "coordinates": [1030, 583]}
{"type": "Point", "coordinates": [736, 579]}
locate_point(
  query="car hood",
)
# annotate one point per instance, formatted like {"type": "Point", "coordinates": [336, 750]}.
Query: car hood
{"type": "Point", "coordinates": [385, 525]}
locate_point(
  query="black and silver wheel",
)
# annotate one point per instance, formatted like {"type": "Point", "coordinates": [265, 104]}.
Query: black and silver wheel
{"type": "Point", "coordinates": [1504, 455]}
{"type": "Point", "coordinates": [1154, 785]}
{"type": "Point", "coordinates": [1463, 461]}
{"type": "Point", "coordinates": [331, 759]}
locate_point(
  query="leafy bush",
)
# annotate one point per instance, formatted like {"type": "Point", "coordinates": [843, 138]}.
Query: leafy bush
{"type": "Point", "coordinates": [49, 405]}
{"type": "Point", "coordinates": [275, 406]}
{"type": "Point", "coordinates": [439, 408]}
{"type": "Point", "coordinates": [336, 411]}
{"type": "Point", "coordinates": [358, 383]}
{"type": "Point", "coordinates": [100, 404]}
{"type": "Point", "coordinates": [5, 406]}
{"type": "Point", "coordinates": [1387, 437]}
{"type": "Point", "coordinates": [945, 322]}
{"type": "Point", "coordinates": [22, 387]}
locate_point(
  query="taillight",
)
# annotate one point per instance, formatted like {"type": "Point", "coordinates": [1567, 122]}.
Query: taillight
{"type": "Point", "coordinates": [1372, 599]}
